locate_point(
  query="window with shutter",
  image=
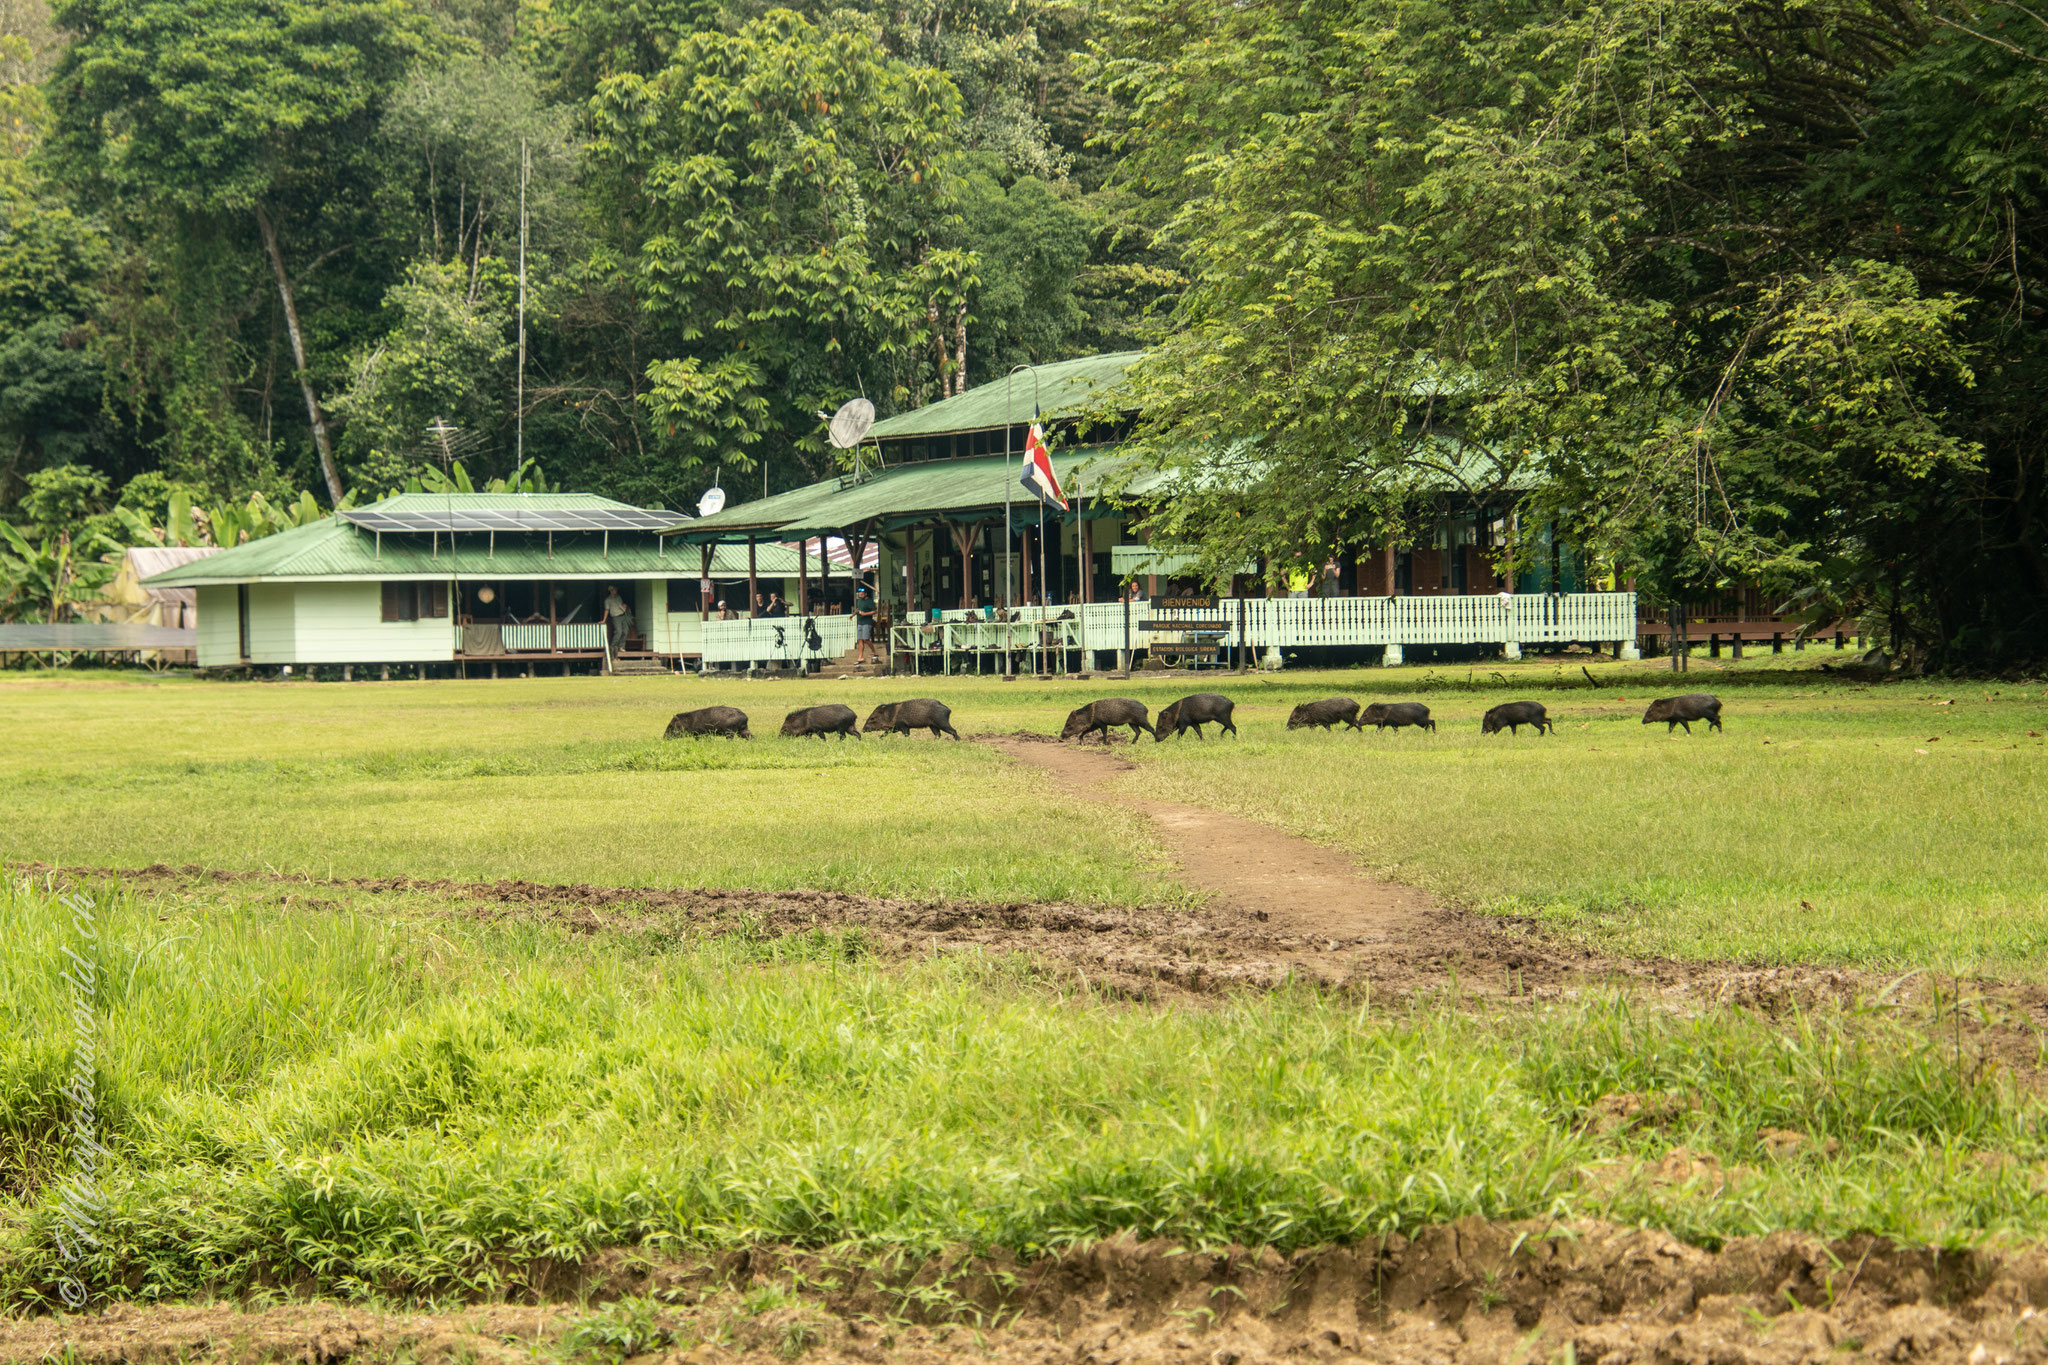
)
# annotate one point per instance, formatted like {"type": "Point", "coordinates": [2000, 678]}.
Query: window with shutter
{"type": "Point", "coordinates": [401, 603]}
{"type": "Point", "coordinates": [434, 600]}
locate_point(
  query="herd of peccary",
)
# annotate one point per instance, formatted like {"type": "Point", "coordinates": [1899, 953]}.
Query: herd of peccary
{"type": "Point", "coordinates": [1189, 713]}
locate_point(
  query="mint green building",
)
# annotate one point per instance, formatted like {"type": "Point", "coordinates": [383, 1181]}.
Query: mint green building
{"type": "Point", "coordinates": [470, 583]}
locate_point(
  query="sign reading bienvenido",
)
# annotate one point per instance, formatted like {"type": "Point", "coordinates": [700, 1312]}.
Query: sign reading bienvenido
{"type": "Point", "coordinates": [1186, 601]}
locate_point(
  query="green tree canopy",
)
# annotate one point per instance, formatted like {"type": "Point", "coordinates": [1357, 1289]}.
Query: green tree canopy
{"type": "Point", "coordinates": [784, 201]}
{"type": "Point", "coordinates": [1632, 252]}
{"type": "Point", "coordinates": [216, 116]}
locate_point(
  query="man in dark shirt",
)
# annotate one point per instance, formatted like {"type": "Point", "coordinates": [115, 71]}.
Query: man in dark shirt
{"type": "Point", "coordinates": [863, 625]}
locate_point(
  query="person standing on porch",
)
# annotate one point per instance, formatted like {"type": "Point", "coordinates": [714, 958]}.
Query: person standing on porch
{"type": "Point", "coordinates": [618, 618]}
{"type": "Point", "coordinates": [863, 625]}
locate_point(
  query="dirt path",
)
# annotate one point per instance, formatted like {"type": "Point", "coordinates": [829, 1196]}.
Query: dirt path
{"type": "Point", "coordinates": [1290, 884]}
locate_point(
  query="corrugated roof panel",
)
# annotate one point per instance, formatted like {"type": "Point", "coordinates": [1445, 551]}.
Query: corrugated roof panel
{"type": "Point", "coordinates": [937, 487]}
{"type": "Point", "coordinates": [1063, 389]}
{"type": "Point", "coordinates": [333, 549]}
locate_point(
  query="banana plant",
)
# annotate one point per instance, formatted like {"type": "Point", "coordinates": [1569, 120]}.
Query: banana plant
{"type": "Point", "coordinates": [40, 580]}
{"type": "Point", "coordinates": [223, 524]}
{"type": "Point", "coordinates": [528, 478]}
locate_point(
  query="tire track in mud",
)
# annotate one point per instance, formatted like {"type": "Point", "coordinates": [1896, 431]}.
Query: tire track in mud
{"type": "Point", "coordinates": [1468, 1293]}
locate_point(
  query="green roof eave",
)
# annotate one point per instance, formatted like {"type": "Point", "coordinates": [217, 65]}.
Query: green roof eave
{"type": "Point", "coordinates": [973, 488]}
{"type": "Point", "coordinates": [333, 551]}
{"type": "Point", "coordinates": [1063, 389]}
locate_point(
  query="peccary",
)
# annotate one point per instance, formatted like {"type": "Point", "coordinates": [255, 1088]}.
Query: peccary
{"type": "Point", "coordinates": [1327, 712]}
{"type": "Point", "coordinates": [902, 717]}
{"type": "Point", "coordinates": [831, 719]}
{"type": "Point", "coordinates": [729, 721]}
{"type": "Point", "coordinates": [1382, 714]}
{"type": "Point", "coordinates": [1194, 712]}
{"type": "Point", "coordinates": [1101, 715]}
{"type": "Point", "coordinates": [1676, 711]}
{"type": "Point", "coordinates": [1513, 715]}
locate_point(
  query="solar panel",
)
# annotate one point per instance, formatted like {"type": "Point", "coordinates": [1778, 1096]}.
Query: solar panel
{"type": "Point", "coordinates": [514, 519]}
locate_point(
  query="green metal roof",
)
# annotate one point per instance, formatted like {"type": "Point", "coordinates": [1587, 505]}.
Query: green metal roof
{"type": "Point", "coordinates": [1064, 389]}
{"type": "Point", "coordinates": [974, 488]}
{"type": "Point", "coordinates": [334, 551]}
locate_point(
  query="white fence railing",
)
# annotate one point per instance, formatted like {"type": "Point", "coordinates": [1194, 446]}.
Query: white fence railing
{"type": "Point", "coordinates": [1267, 622]}
{"type": "Point", "coordinates": [576, 635]}
{"type": "Point", "coordinates": [780, 639]}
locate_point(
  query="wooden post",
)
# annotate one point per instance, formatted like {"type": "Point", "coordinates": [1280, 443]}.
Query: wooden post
{"type": "Point", "coordinates": [1081, 554]}
{"type": "Point", "coordinates": [1387, 565]}
{"type": "Point", "coordinates": [803, 576]}
{"type": "Point", "coordinates": [753, 584]}
{"type": "Point", "coordinates": [1024, 539]}
{"type": "Point", "coordinates": [964, 537]}
{"type": "Point", "coordinates": [704, 593]}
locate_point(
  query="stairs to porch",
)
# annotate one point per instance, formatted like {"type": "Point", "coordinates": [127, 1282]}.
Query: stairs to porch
{"type": "Point", "coordinates": [845, 667]}
{"type": "Point", "coordinates": [638, 666]}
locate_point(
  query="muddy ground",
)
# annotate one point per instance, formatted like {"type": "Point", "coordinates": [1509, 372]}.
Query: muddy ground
{"type": "Point", "coordinates": [1144, 953]}
{"type": "Point", "coordinates": [1473, 1292]}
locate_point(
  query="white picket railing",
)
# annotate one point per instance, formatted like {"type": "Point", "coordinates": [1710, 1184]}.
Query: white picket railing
{"type": "Point", "coordinates": [575, 635]}
{"type": "Point", "coordinates": [779, 639]}
{"type": "Point", "coordinates": [1295, 622]}
{"type": "Point", "coordinates": [1268, 622]}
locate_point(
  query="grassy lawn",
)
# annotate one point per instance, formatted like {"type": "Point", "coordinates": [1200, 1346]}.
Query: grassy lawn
{"type": "Point", "coordinates": [554, 780]}
{"type": "Point", "coordinates": [369, 1098]}
{"type": "Point", "coordinates": [1890, 826]}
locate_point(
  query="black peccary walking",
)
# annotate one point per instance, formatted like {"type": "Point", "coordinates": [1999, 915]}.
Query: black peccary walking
{"type": "Point", "coordinates": [1382, 714]}
{"type": "Point", "coordinates": [1102, 715]}
{"type": "Point", "coordinates": [1327, 712]}
{"type": "Point", "coordinates": [921, 713]}
{"type": "Point", "coordinates": [1513, 715]}
{"type": "Point", "coordinates": [1204, 708]}
{"type": "Point", "coordinates": [830, 719]}
{"type": "Point", "coordinates": [729, 721]}
{"type": "Point", "coordinates": [1676, 711]}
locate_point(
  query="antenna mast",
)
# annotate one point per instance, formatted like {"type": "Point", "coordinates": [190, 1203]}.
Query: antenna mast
{"type": "Point", "coordinates": [519, 402]}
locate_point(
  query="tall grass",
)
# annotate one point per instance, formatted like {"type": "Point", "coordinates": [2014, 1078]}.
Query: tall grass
{"type": "Point", "coordinates": [329, 1099]}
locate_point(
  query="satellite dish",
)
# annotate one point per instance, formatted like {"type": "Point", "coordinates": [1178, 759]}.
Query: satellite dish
{"type": "Point", "coordinates": [851, 423]}
{"type": "Point", "coordinates": [712, 503]}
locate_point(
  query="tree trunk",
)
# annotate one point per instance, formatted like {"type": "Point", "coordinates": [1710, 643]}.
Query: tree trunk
{"type": "Point", "coordinates": [291, 324]}
{"type": "Point", "coordinates": [960, 348]}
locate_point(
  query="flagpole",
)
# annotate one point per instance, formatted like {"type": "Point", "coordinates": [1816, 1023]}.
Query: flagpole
{"type": "Point", "coordinates": [1009, 531]}
{"type": "Point", "coordinates": [1081, 564]}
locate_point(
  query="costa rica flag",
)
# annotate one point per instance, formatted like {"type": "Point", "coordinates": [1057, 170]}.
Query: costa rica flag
{"type": "Point", "coordinates": [1038, 476]}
